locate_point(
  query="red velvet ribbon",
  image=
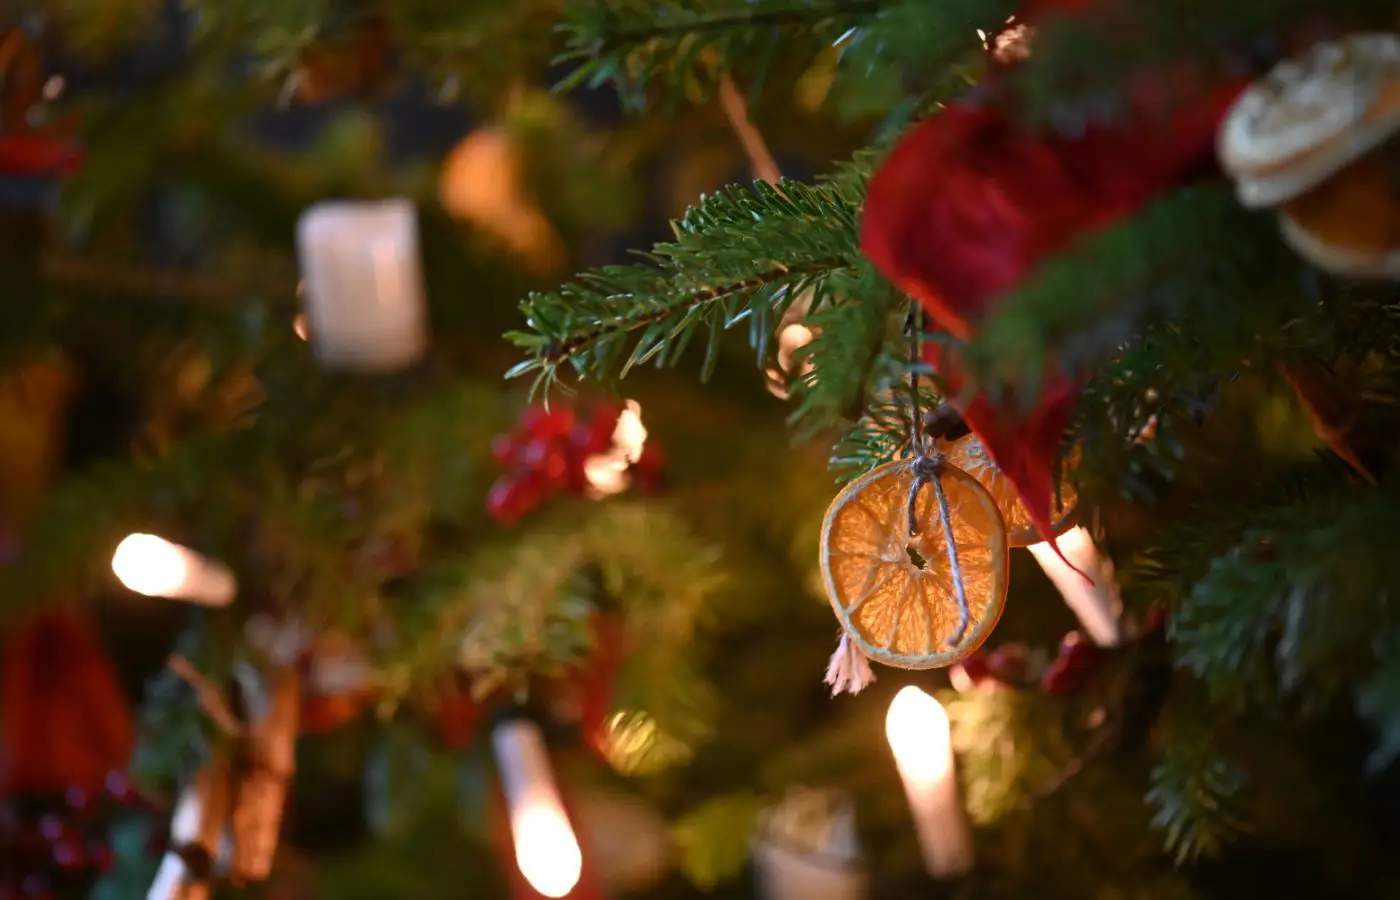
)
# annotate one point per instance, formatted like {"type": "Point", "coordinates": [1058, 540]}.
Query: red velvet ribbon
{"type": "Point", "coordinates": [64, 720]}
{"type": "Point", "coordinates": [37, 156]}
{"type": "Point", "coordinates": [969, 203]}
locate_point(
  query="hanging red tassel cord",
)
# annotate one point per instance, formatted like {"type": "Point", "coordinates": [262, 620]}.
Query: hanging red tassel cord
{"type": "Point", "coordinates": [65, 721]}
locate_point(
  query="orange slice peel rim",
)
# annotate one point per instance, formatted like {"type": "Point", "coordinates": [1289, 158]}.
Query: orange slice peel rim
{"type": "Point", "coordinates": [894, 591]}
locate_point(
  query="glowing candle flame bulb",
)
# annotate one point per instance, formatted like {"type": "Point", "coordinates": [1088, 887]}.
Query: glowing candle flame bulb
{"type": "Point", "coordinates": [607, 472]}
{"type": "Point", "coordinates": [921, 740]}
{"type": "Point", "coordinates": [155, 567]}
{"type": "Point", "coordinates": [1098, 605]}
{"type": "Point", "coordinates": [546, 849]}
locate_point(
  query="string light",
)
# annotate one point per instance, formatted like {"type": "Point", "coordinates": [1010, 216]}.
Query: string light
{"type": "Point", "coordinates": [607, 472]}
{"type": "Point", "coordinates": [546, 850]}
{"type": "Point", "coordinates": [920, 737]}
{"type": "Point", "coordinates": [153, 566]}
{"type": "Point", "coordinates": [1097, 603]}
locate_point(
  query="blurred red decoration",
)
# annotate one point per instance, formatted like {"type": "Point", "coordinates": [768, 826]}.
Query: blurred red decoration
{"type": "Point", "coordinates": [597, 679]}
{"type": "Point", "coordinates": [970, 202]}
{"type": "Point", "coordinates": [1078, 660]}
{"type": "Point", "coordinates": [26, 151]}
{"type": "Point", "coordinates": [563, 451]}
{"type": "Point", "coordinates": [455, 715]}
{"type": "Point", "coordinates": [1007, 665]}
{"type": "Point", "coordinates": [65, 721]}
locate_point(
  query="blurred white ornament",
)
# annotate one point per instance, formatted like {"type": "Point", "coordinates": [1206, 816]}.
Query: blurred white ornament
{"type": "Point", "coordinates": [629, 843]}
{"type": "Point", "coordinates": [806, 848]}
{"type": "Point", "coordinates": [153, 566]}
{"type": "Point", "coordinates": [921, 739]}
{"type": "Point", "coordinates": [199, 839]}
{"type": "Point", "coordinates": [1096, 602]}
{"type": "Point", "coordinates": [365, 306]}
{"type": "Point", "coordinates": [546, 849]}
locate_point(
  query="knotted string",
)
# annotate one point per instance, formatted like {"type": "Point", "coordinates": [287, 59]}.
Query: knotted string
{"type": "Point", "coordinates": [849, 670]}
{"type": "Point", "coordinates": [927, 468]}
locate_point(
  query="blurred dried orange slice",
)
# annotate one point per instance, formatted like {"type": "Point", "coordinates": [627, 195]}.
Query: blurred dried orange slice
{"type": "Point", "coordinates": [968, 454]}
{"type": "Point", "coordinates": [892, 591]}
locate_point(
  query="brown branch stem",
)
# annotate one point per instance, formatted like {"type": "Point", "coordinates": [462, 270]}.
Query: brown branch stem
{"type": "Point", "coordinates": [736, 109]}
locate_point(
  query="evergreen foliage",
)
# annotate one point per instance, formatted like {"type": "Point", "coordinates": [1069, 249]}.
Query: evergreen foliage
{"type": "Point", "coordinates": [1269, 555]}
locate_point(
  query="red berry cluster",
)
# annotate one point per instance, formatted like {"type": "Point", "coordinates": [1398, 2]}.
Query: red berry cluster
{"type": "Point", "coordinates": [53, 847]}
{"type": "Point", "coordinates": [1006, 665]}
{"type": "Point", "coordinates": [546, 454]}
{"type": "Point", "coordinates": [1071, 670]}
{"type": "Point", "coordinates": [1009, 666]}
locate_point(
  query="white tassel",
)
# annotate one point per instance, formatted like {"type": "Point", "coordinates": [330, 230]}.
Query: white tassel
{"type": "Point", "coordinates": [849, 671]}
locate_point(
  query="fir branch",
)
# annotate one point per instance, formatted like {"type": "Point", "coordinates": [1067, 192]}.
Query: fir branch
{"type": "Point", "coordinates": [1092, 64]}
{"type": "Point", "coordinates": [880, 436]}
{"type": "Point", "coordinates": [633, 43]}
{"type": "Point", "coordinates": [876, 44]}
{"type": "Point", "coordinates": [714, 838]}
{"type": "Point", "coordinates": [505, 612]}
{"type": "Point", "coordinates": [1297, 600]}
{"type": "Point", "coordinates": [857, 353]}
{"type": "Point", "coordinates": [1378, 702]}
{"type": "Point", "coordinates": [1197, 796]}
{"type": "Point", "coordinates": [1162, 264]}
{"type": "Point", "coordinates": [741, 254]}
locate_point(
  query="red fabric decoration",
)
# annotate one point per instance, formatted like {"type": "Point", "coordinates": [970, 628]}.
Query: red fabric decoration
{"type": "Point", "coordinates": [35, 156]}
{"type": "Point", "coordinates": [456, 716]}
{"type": "Point", "coordinates": [598, 679]}
{"type": "Point", "coordinates": [1023, 446]}
{"type": "Point", "coordinates": [64, 720]}
{"type": "Point", "coordinates": [969, 203]}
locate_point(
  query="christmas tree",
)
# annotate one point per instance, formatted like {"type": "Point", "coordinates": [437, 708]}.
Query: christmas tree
{"type": "Point", "coordinates": [707, 579]}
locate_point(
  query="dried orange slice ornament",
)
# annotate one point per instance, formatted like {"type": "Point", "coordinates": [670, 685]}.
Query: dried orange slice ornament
{"type": "Point", "coordinates": [968, 454]}
{"type": "Point", "coordinates": [906, 596]}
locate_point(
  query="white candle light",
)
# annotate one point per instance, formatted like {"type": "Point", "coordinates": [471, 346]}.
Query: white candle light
{"type": "Point", "coordinates": [607, 472]}
{"type": "Point", "coordinates": [155, 567]}
{"type": "Point", "coordinates": [364, 283]}
{"type": "Point", "coordinates": [546, 849]}
{"type": "Point", "coordinates": [198, 823]}
{"type": "Point", "coordinates": [1098, 604]}
{"type": "Point", "coordinates": [921, 739]}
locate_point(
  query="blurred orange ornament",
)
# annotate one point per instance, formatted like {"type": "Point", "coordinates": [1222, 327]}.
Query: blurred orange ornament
{"type": "Point", "coordinates": [483, 183]}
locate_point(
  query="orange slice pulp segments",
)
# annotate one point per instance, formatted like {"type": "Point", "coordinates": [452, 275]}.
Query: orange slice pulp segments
{"type": "Point", "coordinates": [968, 454]}
{"type": "Point", "coordinates": [893, 592]}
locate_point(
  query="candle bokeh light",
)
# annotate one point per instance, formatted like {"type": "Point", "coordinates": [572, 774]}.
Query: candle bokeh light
{"type": "Point", "coordinates": [151, 565]}
{"type": "Point", "coordinates": [1096, 601]}
{"type": "Point", "coordinates": [546, 849]}
{"type": "Point", "coordinates": [920, 738]}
